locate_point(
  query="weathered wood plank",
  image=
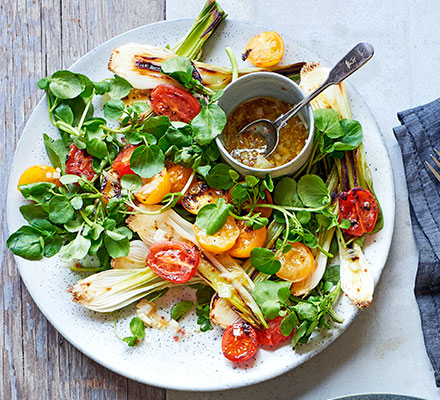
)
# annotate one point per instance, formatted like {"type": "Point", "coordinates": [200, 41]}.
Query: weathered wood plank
{"type": "Point", "coordinates": [37, 38]}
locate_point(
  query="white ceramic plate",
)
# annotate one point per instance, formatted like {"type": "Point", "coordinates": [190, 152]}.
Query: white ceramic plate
{"type": "Point", "coordinates": [194, 362]}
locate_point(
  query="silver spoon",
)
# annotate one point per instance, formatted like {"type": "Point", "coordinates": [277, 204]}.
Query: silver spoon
{"type": "Point", "coordinates": [270, 130]}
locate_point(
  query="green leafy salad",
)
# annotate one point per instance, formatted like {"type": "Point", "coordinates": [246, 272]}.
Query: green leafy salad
{"type": "Point", "coordinates": [138, 201]}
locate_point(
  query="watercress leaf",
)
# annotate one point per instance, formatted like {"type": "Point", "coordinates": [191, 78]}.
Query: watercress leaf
{"type": "Point", "coordinates": [113, 109]}
{"type": "Point", "coordinates": [155, 295]}
{"type": "Point", "coordinates": [26, 242]}
{"type": "Point", "coordinates": [203, 294]}
{"type": "Point", "coordinates": [212, 217]}
{"type": "Point", "coordinates": [182, 70]}
{"type": "Point", "coordinates": [64, 113]}
{"type": "Point", "coordinates": [203, 318]}
{"type": "Point", "coordinates": [299, 333]}
{"type": "Point", "coordinates": [352, 135]}
{"type": "Point", "coordinates": [180, 309]}
{"type": "Point", "coordinates": [102, 87]}
{"type": "Point", "coordinates": [124, 231]}
{"type": "Point", "coordinates": [74, 225]}
{"type": "Point", "coordinates": [251, 180]}
{"type": "Point", "coordinates": [147, 161]}
{"type": "Point", "coordinates": [116, 247]}
{"type": "Point", "coordinates": [286, 193]}
{"type": "Point", "coordinates": [137, 327]}
{"type": "Point", "coordinates": [131, 182]}
{"type": "Point", "coordinates": [208, 124]}
{"type": "Point", "coordinates": [65, 85]}
{"type": "Point", "coordinates": [309, 239]}
{"type": "Point", "coordinates": [323, 220]}
{"type": "Point", "coordinates": [303, 217]}
{"type": "Point", "coordinates": [288, 324]}
{"type": "Point", "coordinates": [219, 177]}
{"type": "Point", "coordinates": [56, 151]}
{"type": "Point", "coordinates": [268, 183]}
{"type": "Point", "coordinates": [178, 137]}
{"type": "Point", "coordinates": [97, 148]}
{"type": "Point", "coordinates": [265, 261]}
{"type": "Point", "coordinates": [69, 179]}
{"type": "Point", "coordinates": [140, 107]}
{"type": "Point", "coordinates": [332, 274]}
{"type": "Point", "coordinates": [43, 83]}
{"type": "Point", "coordinates": [77, 202]}
{"type": "Point", "coordinates": [52, 246]}
{"type": "Point", "coordinates": [44, 226]}
{"type": "Point", "coordinates": [119, 87]}
{"type": "Point", "coordinates": [266, 294]}
{"type": "Point", "coordinates": [203, 170]}
{"type": "Point", "coordinates": [60, 210]}
{"type": "Point", "coordinates": [157, 126]}
{"type": "Point", "coordinates": [327, 121]}
{"type": "Point", "coordinates": [239, 193]}
{"type": "Point", "coordinates": [38, 192]}
{"type": "Point", "coordinates": [76, 249]}
{"type": "Point", "coordinates": [33, 212]}
{"type": "Point", "coordinates": [306, 311]}
{"type": "Point", "coordinates": [312, 191]}
{"type": "Point", "coordinates": [345, 224]}
{"type": "Point", "coordinates": [130, 340]}
{"type": "Point", "coordinates": [86, 84]}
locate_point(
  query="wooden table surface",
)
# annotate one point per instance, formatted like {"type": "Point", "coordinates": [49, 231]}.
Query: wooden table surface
{"type": "Point", "coordinates": [37, 38]}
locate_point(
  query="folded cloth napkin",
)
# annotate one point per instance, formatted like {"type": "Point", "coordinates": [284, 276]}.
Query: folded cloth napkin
{"type": "Point", "coordinates": [418, 135]}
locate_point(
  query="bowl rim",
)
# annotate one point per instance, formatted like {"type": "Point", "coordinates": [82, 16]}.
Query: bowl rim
{"type": "Point", "coordinates": [311, 124]}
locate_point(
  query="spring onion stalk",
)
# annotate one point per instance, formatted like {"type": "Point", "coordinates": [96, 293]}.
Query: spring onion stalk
{"type": "Point", "coordinates": [203, 27]}
{"type": "Point", "coordinates": [233, 61]}
{"type": "Point", "coordinates": [140, 65]}
{"type": "Point", "coordinates": [221, 272]}
{"type": "Point", "coordinates": [113, 289]}
{"type": "Point", "coordinates": [356, 278]}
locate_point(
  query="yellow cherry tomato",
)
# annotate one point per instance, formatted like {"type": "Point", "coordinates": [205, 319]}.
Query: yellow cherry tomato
{"type": "Point", "coordinates": [40, 173]}
{"type": "Point", "coordinates": [200, 194]}
{"type": "Point", "coordinates": [248, 240]}
{"type": "Point", "coordinates": [265, 49]}
{"type": "Point", "coordinates": [179, 177]}
{"type": "Point", "coordinates": [296, 264]}
{"type": "Point", "coordinates": [221, 241]}
{"type": "Point", "coordinates": [154, 188]}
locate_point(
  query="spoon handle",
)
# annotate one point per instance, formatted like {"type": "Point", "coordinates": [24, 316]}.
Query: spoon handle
{"type": "Point", "coordinates": [352, 61]}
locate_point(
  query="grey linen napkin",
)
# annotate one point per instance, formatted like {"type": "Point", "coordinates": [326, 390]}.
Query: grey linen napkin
{"type": "Point", "coordinates": [418, 135]}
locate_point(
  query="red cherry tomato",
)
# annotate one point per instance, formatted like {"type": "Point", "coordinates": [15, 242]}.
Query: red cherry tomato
{"type": "Point", "coordinates": [239, 342]}
{"type": "Point", "coordinates": [175, 103]}
{"type": "Point", "coordinates": [272, 335]}
{"type": "Point", "coordinates": [359, 206]}
{"type": "Point", "coordinates": [79, 163]}
{"type": "Point", "coordinates": [174, 261]}
{"type": "Point", "coordinates": [122, 161]}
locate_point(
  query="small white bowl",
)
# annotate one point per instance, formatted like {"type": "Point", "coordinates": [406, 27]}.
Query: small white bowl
{"type": "Point", "coordinates": [267, 84]}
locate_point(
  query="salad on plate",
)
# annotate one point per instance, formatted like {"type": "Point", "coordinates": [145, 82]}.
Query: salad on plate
{"type": "Point", "coordinates": [138, 200]}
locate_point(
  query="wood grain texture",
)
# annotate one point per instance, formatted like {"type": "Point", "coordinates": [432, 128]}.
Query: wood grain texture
{"type": "Point", "coordinates": [37, 38]}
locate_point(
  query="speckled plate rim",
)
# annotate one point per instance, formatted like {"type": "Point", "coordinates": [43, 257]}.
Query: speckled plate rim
{"type": "Point", "coordinates": [212, 385]}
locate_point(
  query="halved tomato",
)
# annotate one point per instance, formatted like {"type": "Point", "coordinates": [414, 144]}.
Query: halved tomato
{"type": "Point", "coordinates": [200, 194]}
{"type": "Point", "coordinates": [248, 240]}
{"type": "Point", "coordinates": [296, 264]}
{"type": "Point", "coordinates": [122, 161]}
{"type": "Point", "coordinates": [221, 241]}
{"type": "Point", "coordinates": [239, 342]}
{"type": "Point", "coordinates": [175, 103]}
{"type": "Point", "coordinates": [40, 173]}
{"type": "Point", "coordinates": [272, 335]}
{"type": "Point", "coordinates": [179, 177]}
{"type": "Point", "coordinates": [359, 206]}
{"type": "Point", "coordinates": [174, 261]}
{"type": "Point", "coordinates": [265, 49]}
{"type": "Point", "coordinates": [154, 188]}
{"type": "Point", "coordinates": [79, 163]}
